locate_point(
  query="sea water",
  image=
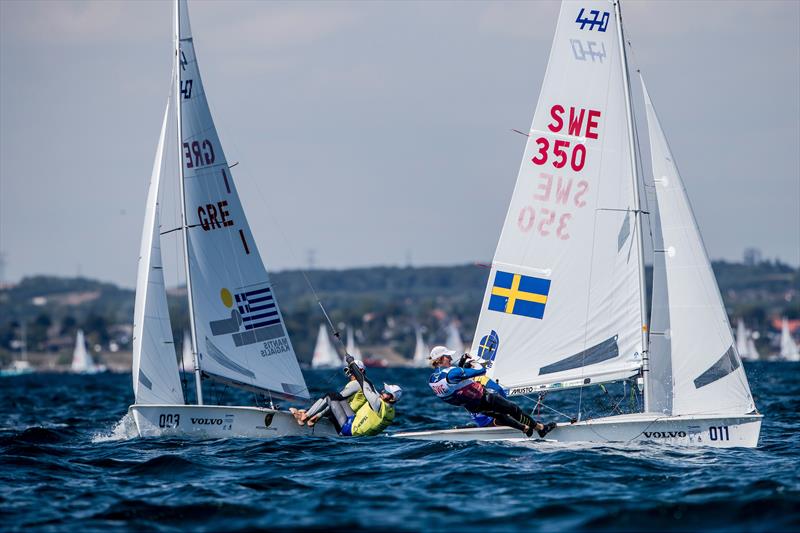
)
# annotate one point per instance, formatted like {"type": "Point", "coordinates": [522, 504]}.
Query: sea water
{"type": "Point", "coordinates": [70, 461]}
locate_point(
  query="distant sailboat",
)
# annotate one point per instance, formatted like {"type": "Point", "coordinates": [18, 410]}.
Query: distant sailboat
{"type": "Point", "coordinates": [82, 361]}
{"type": "Point", "coordinates": [565, 304]}
{"type": "Point", "coordinates": [421, 351]}
{"type": "Point", "coordinates": [325, 355]}
{"type": "Point", "coordinates": [744, 342]}
{"type": "Point", "coordinates": [238, 336]}
{"type": "Point", "coordinates": [789, 350]}
{"type": "Point", "coordinates": [21, 365]}
{"type": "Point", "coordinates": [352, 348]}
{"type": "Point", "coordinates": [454, 341]}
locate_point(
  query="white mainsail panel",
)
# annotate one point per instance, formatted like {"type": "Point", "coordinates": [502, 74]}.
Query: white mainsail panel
{"type": "Point", "coordinates": [789, 350]}
{"type": "Point", "coordinates": [563, 301]}
{"type": "Point", "coordinates": [421, 350]}
{"type": "Point", "coordinates": [352, 348]}
{"type": "Point", "coordinates": [155, 369]}
{"type": "Point", "coordinates": [240, 333]}
{"type": "Point", "coordinates": [708, 376]}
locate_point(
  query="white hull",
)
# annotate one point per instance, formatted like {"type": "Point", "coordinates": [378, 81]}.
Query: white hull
{"type": "Point", "coordinates": [698, 430]}
{"type": "Point", "coordinates": [221, 421]}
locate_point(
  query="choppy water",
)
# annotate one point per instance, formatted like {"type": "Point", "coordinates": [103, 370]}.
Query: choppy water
{"type": "Point", "coordinates": [68, 463]}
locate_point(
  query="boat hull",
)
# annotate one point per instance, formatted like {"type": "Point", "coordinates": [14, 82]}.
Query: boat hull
{"type": "Point", "coordinates": [716, 431]}
{"type": "Point", "coordinates": [221, 421]}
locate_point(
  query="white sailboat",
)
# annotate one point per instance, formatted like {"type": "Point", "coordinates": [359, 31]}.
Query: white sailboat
{"type": "Point", "coordinates": [454, 341]}
{"type": "Point", "coordinates": [325, 355]}
{"type": "Point", "coordinates": [789, 350]}
{"type": "Point", "coordinates": [82, 361]}
{"type": "Point", "coordinates": [565, 306]}
{"type": "Point", "coordinates": [421, 351]}
{"type": "Point", "coordinates": [238, 335]}
{"type": "Point", "coordinates": [21, 365]}
{"type": "Point", "coordinates": [352, 348]}
{"type": "Point", "coordinates": [744, 342]}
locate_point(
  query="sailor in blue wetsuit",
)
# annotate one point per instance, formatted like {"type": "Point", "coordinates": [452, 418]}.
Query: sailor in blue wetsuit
{"type": "Point", "coordinates": [457, 385]}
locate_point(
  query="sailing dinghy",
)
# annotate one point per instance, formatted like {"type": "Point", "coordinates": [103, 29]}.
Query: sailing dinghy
{"type": "Point", "coordinates": [238, 336]}
{"type": "Point", "coordinates": [565, 304]}
{"type": "Point", "coordinates": [325, 355]}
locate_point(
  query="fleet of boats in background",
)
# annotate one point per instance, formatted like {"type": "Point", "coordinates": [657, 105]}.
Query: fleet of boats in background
{"type": "Point", "coordinates": [326, 355]}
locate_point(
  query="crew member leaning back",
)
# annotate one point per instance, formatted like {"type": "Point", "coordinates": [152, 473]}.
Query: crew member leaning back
{"type": "Point", "coordinates": [456, 385]}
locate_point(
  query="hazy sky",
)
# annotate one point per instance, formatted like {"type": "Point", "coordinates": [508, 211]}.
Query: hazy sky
{"type": "Point", "coordinates": [371, 131]}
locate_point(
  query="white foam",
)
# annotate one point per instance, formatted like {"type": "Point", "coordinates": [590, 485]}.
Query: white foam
{"type": "Point", "coordinates": [124, 429]}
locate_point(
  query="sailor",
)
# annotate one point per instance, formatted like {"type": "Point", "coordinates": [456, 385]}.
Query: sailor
{"type": "Point", "coordinates": [375, 415]}
{"type": "Point", "coordinates": [457, 385]}
{"type": "Point", "coordinates": [350, 392]}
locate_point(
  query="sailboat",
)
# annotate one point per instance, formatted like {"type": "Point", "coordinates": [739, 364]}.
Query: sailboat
{"type": "Point", "coordinates": [789, 350]}
{"type": "Point", "coordinates": [325, 355]}
{"type": "Point", "coordinates": [421, 351]}
{"type": "Point", "coordinates": [82, 361]}
{"type": "Point", "coordinates": [565, 306]}
{"type": "Point", "coordinates": [351, 347]}
{"type": "Point", "coordinates": [19, 366]}
{"type": "Point", "coordinates": [238, 335]}
{"type": "Point", "coordinates": [744, 342]}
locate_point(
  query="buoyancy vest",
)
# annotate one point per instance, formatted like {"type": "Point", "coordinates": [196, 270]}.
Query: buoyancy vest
{"type": "Point", "coordinates": [356, 401]}
{"type": "Point", "coordinates": [368, 423]}
{"type": "Point", "coordinates": [465, 392]}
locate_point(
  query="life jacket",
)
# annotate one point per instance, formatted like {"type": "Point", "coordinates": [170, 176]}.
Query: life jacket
{"type": "Point", "coordinates": [465, 393]}
{"type": "Point", "coordinates": [357, 400]}
{"type": "Point", "coordinates": [368, 423]}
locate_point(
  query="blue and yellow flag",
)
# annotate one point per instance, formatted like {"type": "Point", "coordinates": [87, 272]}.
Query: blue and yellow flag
{"type": "Point", "coordinates": [519, 295]}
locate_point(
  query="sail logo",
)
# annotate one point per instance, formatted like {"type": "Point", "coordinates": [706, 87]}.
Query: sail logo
{"type": "Point", "coordinates": [254, 318]}
{"type": "Point", "coordinates": [599, 20]}
{"type": "Point", "coordinates": [487, 349]}
{"type": "Point", "coordinates": [663, 434]}
{"type": "Point", "coordinates": [519, 295]}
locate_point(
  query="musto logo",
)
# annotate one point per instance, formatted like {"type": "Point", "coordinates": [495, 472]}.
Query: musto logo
{"type": "Point", "coordinates": [663, 434]}
{"type": "Point", "coordinates": [207, 421]}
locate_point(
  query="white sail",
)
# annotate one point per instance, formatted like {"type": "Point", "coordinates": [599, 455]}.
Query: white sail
{"type": "Point", "coordinates": [352, 349]}
{"type": "Point", "coordinates": [325, 355]}
{"type": "Point", "coordinates": [454, 341]}
{"type": "Point", "coordinates": [155, 371]}
{"type": "Point", "coordinates": [421, 350]}
{"type": "Point", "coordinates": [744, 342]}
{"type": "Point", "coordinates": [240, 334]}
{"type": "Point", "coordinates": [563, 305]}
{"type": "Point", "coordinates": [187, 357]}
{"type": "Point", "coordinates": [789, 350]}
{"type": "Point", "coordinates": [81, 359]}
{"type": "Point", "coordinates": [707, 374]}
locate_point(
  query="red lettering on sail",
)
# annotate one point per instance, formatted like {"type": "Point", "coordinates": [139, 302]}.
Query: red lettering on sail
{"type": "Point", "coordinates": [575, 121]}
{"type": "Point", "coordinates": [545, 186]}
{"type": "Point", "coordinates": [556, 111]}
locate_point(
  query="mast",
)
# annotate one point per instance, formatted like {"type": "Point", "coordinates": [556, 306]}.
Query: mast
{"type": "Point", "coordinates": [636, 204]}
{"type": "Point", "coordinates": [184, 222]}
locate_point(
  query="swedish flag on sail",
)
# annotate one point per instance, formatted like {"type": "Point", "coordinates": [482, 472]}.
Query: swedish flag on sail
{"type": "Point", "coordinates": [519, 295]}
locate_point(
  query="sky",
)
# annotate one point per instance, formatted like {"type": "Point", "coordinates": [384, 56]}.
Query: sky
{"type": "Point", "coordinates": [373, 133]}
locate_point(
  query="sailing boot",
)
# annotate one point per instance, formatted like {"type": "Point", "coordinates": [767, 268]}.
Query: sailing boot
{"type": "Point", "coordinates": [546, 428]}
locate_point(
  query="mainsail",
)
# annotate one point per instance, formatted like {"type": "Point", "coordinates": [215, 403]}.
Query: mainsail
{"type": "Point", "coordinates": [239, 332]}
{"type": "Point", "coordinates": [707, 374]}
{"type": "Point", "coordinates": [155, 371]}
{"type": "Point", "coordinates": [744, 342]}
{"type": "Point", "coordinates": [325, 355]}
{"type": "Point", "coordinates": [187, 357]}
{"type": "Point", "coordinates": [563, 305]}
